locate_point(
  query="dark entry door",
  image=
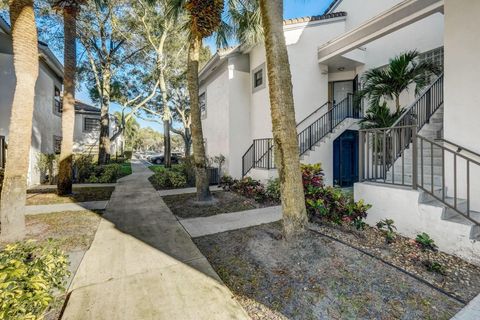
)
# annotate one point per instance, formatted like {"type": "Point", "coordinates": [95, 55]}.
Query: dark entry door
{"type": "Point", "coordinates": [345, 159]}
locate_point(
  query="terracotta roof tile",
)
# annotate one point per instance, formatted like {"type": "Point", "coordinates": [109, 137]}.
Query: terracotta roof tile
{"type": "Point", "coordinates": [314, 18]}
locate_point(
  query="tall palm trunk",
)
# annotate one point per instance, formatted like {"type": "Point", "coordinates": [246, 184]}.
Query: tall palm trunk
{"type": "Point", "coordinates": [199, 158]}
{"type": "Point", "coordinates": [25, 62]}
{"type": "Point", "coordinates": [64, 185]}
{"type": "Point", "coordinates": [167, 149]}
{"type": "Point", "coordinates": [283, 118]}
{"type": "Point", "coordinates": [104, 143]}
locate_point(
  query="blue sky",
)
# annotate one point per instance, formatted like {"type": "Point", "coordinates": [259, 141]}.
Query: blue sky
{"type": "Point", "coordinates": [292, 9]}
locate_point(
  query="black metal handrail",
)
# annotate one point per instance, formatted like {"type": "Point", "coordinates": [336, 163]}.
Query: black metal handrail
{"type": "Point", "coordinates": [312, 113]}
{"type": "Point", "coordinates": [430, 162]}
{"type": "Point", "coordinates": [261, 152]}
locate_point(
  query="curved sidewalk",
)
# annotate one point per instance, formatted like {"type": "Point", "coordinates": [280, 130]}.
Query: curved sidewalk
{"type": "Point", "coordinates": [143, 265]}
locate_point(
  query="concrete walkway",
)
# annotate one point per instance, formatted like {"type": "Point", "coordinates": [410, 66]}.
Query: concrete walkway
{"type": "Point", "coordinates": [143, 265]}
{"type": "Point", "coordinates": [61, 207]}
{"type": "Point", "coordinates": [470, 312]}
{"type": "Point", "coordinates": [198, 227]}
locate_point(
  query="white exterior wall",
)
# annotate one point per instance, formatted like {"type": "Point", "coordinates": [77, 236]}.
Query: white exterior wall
{"type": "Point", "coordinates": [240, 138]}
{"type": "Point", "coordinates": [46, 124]}
{"type": "Point", "coordinates": [462, 96]}
{"type": "Point", "coordinates": [310, 86]}
{"type": "Point", "coordinates": [412, 218]}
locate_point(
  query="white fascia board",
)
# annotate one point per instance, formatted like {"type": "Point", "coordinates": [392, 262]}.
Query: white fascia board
{"type": "Point", "coordinates": [399, 16]}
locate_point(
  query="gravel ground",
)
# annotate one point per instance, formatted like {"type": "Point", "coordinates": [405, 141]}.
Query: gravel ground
{"type": "Point", "coordinates": [457, 276]}
{"type": "Point", "coordinates": [313, 277]}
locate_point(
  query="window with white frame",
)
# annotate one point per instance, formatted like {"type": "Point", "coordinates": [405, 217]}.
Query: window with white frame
{"type": "Point", "coordinates": [57, 102]}
{"type": "Point", "coordinates": [258, 78]}
{"type": "Point", "coordinates": [57, 144]}
{"type": "Point", "coordinates": [202, 101]}
{"type": "Point", "coordinates": [91, 124]}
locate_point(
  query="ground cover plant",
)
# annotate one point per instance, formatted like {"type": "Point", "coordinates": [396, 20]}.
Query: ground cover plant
{"type": "Point", "coordinates": [32, 276]}
{"type": "Point", "coordinates": [49, 196]}
{"type": "Point", "coordinates": [315, 277]}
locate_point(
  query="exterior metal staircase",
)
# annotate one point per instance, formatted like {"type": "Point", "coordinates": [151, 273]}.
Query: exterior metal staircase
{"type": "Point", "coordinates": [413, 153]}
{"type": "Point", "coordinates": [261, 153]}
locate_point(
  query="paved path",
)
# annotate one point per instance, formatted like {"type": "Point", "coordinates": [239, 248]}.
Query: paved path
{"type": "Point", "coordinates": [471, 311]}
{"type": "Point", "coordinates": [143, 265]}
{"type": "Point", "coordinates": [198, 227]}
{"type": "Point", "coordinates": [61, 207]}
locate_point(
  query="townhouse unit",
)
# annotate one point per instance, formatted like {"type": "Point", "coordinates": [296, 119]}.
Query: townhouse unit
{"type": "Point", "coordinates": [423, 171]}
{"type": "Point", "coordinates": [47, 114]}
{"type": "Point", "coordinates": [235, 100]}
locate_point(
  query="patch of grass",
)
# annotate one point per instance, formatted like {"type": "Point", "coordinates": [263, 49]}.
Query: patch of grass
{"type": "Point", "coordinates": [49, 196]}
{"type": "Point", "coordinates": [126, 169]}
{"type": "Point", "coordinates": [157, 167]}
{"type": "Point", "coordinates": [74, 230]}
{"type": "Point", "coordinates": [185, 205]}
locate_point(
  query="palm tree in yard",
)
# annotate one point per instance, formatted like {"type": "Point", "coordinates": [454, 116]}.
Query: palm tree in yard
{"type": "Point", "coordinates": [69, 9]}
{"type": "Point", "coordinates": [25, 61]}
{"type": "Point", "coordinates": [402, 72]}
{"type": "Point", "coordinates": [253, 21]}
{"type": "Point", "coordinates": [204, 18]}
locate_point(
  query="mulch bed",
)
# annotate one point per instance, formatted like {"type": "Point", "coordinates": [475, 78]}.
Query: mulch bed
{"type": "Point", "coordinates": [186, 206]}
{"type": "Point", "coordinates": [456, 276]}
{"type": "Point", "coordinates": [314, 277]}
{"type": "Point", "coordinates": [49, 196]}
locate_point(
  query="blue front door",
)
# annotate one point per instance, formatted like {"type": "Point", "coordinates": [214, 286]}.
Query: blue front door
{"type": "Point", "coordinates": [345, 159]}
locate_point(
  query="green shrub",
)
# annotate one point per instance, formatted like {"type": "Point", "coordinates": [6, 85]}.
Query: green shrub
{"type": "Point", "coordinates": [272, 190]}
{"type": "Point", "coordinates": [388, 228]}
{"type": "Point", "coordinates": [47, 164]}
{"type": "Point", "coordinates": [425, 242]}
{"type": "Point", "coordinates": [29, 277]}
{"type": "Point", "coordinates": [330, 203]}
{"type": "Point", "coordinates": [128, 154]}
{"type": "Point", "coordinates": [84, 167]}
{"type": "Point", "coordinates": [108, 173]}
{"type": "Point", "coordinates": [168, 179]}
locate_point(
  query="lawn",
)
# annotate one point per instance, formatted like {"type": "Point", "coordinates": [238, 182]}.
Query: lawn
{"type": "Point", "coordinates": [156, 167]}
{"type": "Point", "coordinates": [126, 169]}
{"type": "Point", "coordinates": [49, 196]}
{"type": "Point", "coordinates": [315, 277]}
{"type": "Point", "coordinates": [185, 205]}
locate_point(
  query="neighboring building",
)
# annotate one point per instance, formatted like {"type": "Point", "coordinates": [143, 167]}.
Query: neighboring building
{"type": "Point", "coordinates": [235, 99]}
{"type": "Point", "coordinates": [47, 121]}
{"type": "Point", "coordinates": [47, 114]}
{"type": "Point", "coordinates": [434, 189]}
{"type": "Point", "coordinates": [87, 130]}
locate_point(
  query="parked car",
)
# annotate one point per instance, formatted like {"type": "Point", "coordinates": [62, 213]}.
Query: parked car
{"type": "Point", "coordinates": [159, 159]}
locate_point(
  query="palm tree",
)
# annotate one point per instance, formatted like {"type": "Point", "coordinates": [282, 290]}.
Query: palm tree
{"type": "Point", "coordinates": [402, 71]}
{"type": "Point", "coordinates": [204, 18]}
{"type": "Point", "coordinates": [283, 118]}
{"type": "Point", "coordinates": [70, 9]}
{"type": "Point", "coordinates": [379, 116]}
{"type": "Point", "coordinates": [25, 61]}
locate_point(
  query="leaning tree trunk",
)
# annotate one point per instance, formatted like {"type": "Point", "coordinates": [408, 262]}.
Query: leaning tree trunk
{"type": "Point", "coordinates": [283, 119]}
{"type": "Point", "coordinates": [104, 139]}
{"type": "Point", "coordinates": [64, 185]}
{"type": "Point", "coordinates": [199, 158]}
{"type": "Point", "coordinates": [25, 62]}
{"type": "Point", "coordinates": [167, 147]}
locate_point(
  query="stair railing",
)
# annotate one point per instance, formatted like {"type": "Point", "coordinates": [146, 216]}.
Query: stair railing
{"type": "Point", "coordinates": [262, 150]}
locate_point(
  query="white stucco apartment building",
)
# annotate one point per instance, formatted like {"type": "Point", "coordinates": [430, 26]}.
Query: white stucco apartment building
{"type": "Point", "coordinates": [47, 114]}
{"type": "Point", "coordinates": [237, 112]}
{"type": "Point", "coordinates": [426, 175]}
